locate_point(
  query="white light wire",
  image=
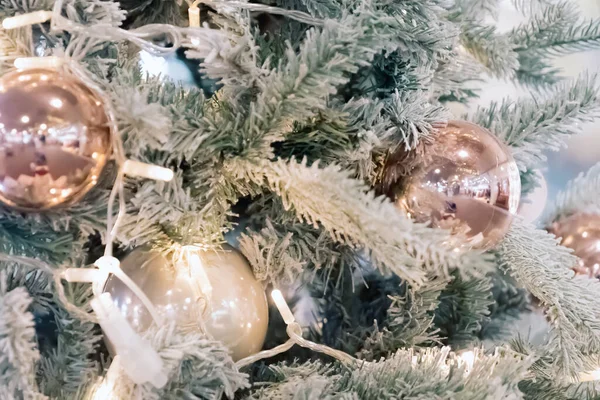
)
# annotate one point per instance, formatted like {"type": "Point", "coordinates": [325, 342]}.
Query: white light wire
{"type": "Point", "coordinates": [294, 331]}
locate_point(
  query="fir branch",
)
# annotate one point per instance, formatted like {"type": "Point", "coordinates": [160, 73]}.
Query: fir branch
{"type": "Point", "coordinates": [464, 306]}
{"type": "Point", "coordinates": [94, 12]}
{"type": "Point", "coordinates": [494, 51]}
{"type": "Point", "coordinates": [323, 8]}
{"type": "Point", "coordinates": [540, 386]}
{"type": "Point", "coordinates": [19, 238]}
{"type": "Point", "coordinates": [431, 373]}
{"type": "Point", "coordinates": [64, 369]}
{"type": "Point", "coordinates": [300, 87]}
{"type": "Point", "coordinates": [372, 131]}
{"type": "Point", "coordinates": [556, 31]}
{"type": "Point", "coordinates": [199, 369]}
{"type": "Point", "coordinates": [156, 12]}
{"type": "Point", "coordinates": [143, 124]}
{"type": "Point", "coordinates": [37, 284]}
{"type": "Point", "coordinates": [532, 126]}
{"type": "Point", "coordinates": [18, 347]}
{"type": "Point", "coordinates": [11, 7]}
{"type": "Point", "coordinates": [454, 76]}
{"type": "Point", "coordinates": [509, 301]}
{"type": "Point", "coordinates": [409, 322]}
{"type": "Point", "coordinates": [532, 6]}
{"type": "Point", "coordinates": [581, 196]}
{"type": "Point", "coordinates": [413, 118]}
{"type": "Point", "coordinates": [475, 9]}
{"type": "Point", "coordinates": [536, 261]}
{"type": "Point", "coordinates": [14, 43]}
{"type": "Point", "coordinates": [352, 215]}
{"type": "Point", "coordinates": [280, 253]}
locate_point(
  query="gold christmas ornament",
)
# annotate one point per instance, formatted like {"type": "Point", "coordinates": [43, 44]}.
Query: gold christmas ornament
{"type": "Point", "coordinates": [468, 183]}
{"type": "Point", "coordinates": [54, 139]}
{"type": "Point", "coordinates": [221, 297]}
{"type": "Point", "coordinates": [581, 232]}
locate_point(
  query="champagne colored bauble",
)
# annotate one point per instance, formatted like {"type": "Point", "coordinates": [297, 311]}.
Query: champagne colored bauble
{"type": "Point", "coordinates": [54, 139]}
{"type": "Point", "coordinates": [236, 313]}
{"type": "Point", "coordinates": [467, 182]}
{"type": "Point", "coordinates": [581, 232]}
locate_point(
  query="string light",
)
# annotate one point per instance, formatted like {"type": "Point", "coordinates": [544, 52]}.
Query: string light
{"type": "Point", "coordinates": [140, 169]}
{"type": "Point", "coordinates": [194, 14]}
{"type": "Point", "coordinates": [18, 21]}
{"type": "Point", "coordinates": [39, 62]}
{"type": "Point", "coordinates": [468, 358]}
{"type": "Point", "coordinates": [590, 376]}
{"type": "Point", "coordinates": [193, 265]}
{"type": "Point", "coordinates": [282, 306]}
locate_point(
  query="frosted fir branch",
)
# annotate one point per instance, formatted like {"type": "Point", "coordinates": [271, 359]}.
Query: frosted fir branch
{"type": "Point", "coordinates": [352, 215]}
{"type": "Point", "coordinates": [540, 386]}
{"type": "Point", "coordinates": [409, 322]}
{"type": "Point", "coordinates": [544, 27]}
{"type": "Point", "coordinates": [37, 284]}
{"type": "Point", "coordinates": [372, 128]}
{"type": "Point", "coordinates": [455, 75]}
{"type": "Point", "coordinates": [464, 306]}
{"type": "Point", "coordinates": [271, 255]}
{"type": "Point", "coordinates": [581, 195]}
{"type": "Point", "coordinates": [18, 237]}
{"type": "Point", "coordinates": [430, 373]}
{"type": "Point", "coordinates": [146, 12]}
{"type": "Point", "coordinates": [556, 30]}
{"type": "Point", "coordinates": [413, 118]}
{"type": "Point", "coordinates": [230, 55]}
{"type": "Point", "coordinates": [157, 114]}
{"type": "Point", "coordinates": [282, 254]}
{"type": "Point", "coordinates": [14, 43]}
{"type": "Point", "coordinates": [323, 8]}
{"type": "Point", "coordinates": [475, 9]}
{"type": "Point", "coordinates": [12, 7]}
{"type": "Point", "coordinates": [143, 124]}
{"type": "Point", "coordinates": [300, 87]}
{"type": "Point", "coordinates": [198, 369]}
{"type": "Point", "coordinates": [64, 369]}
{"type": "Point", "coordinates": [94, 12]}
{"type": "Point", "coordinates": [532, 6]}
{"type": "Point", "coordinates": [532, 126]}
{"type": "Point", "coordinates": [297, 90]}
{"type": "Point", "coordinates": [535, 260]}
{"type": "Point", "coordinates": [509, 302]}
{"type": "Point", "coordinates": [18, 346]}
{"type": "Point", "coordinates": [494, 51]}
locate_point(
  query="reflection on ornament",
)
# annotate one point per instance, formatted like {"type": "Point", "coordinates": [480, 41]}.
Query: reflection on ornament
{"type": "Point", "coordinates": [468, 183]}
{"type": "Point", "coordinates": [219, 295]}
{"type": "Point", "coordinates": [54, 139]}
{"type": "Point", "coordinates": [581, 232]}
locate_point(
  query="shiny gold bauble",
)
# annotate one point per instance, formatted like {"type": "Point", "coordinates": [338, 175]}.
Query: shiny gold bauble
{"type": "Point", "coordinates": [581, 232]}
{"type": "Point", "coordinates": [236, 312]}
{"type": "Point", "coordinates": [54, 139]}
{"type": "Point", "coordinates": [467, 182]}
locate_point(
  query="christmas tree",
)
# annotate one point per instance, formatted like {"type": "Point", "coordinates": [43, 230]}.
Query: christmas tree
{"type": "Point", "coordinates": [319, 143]}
